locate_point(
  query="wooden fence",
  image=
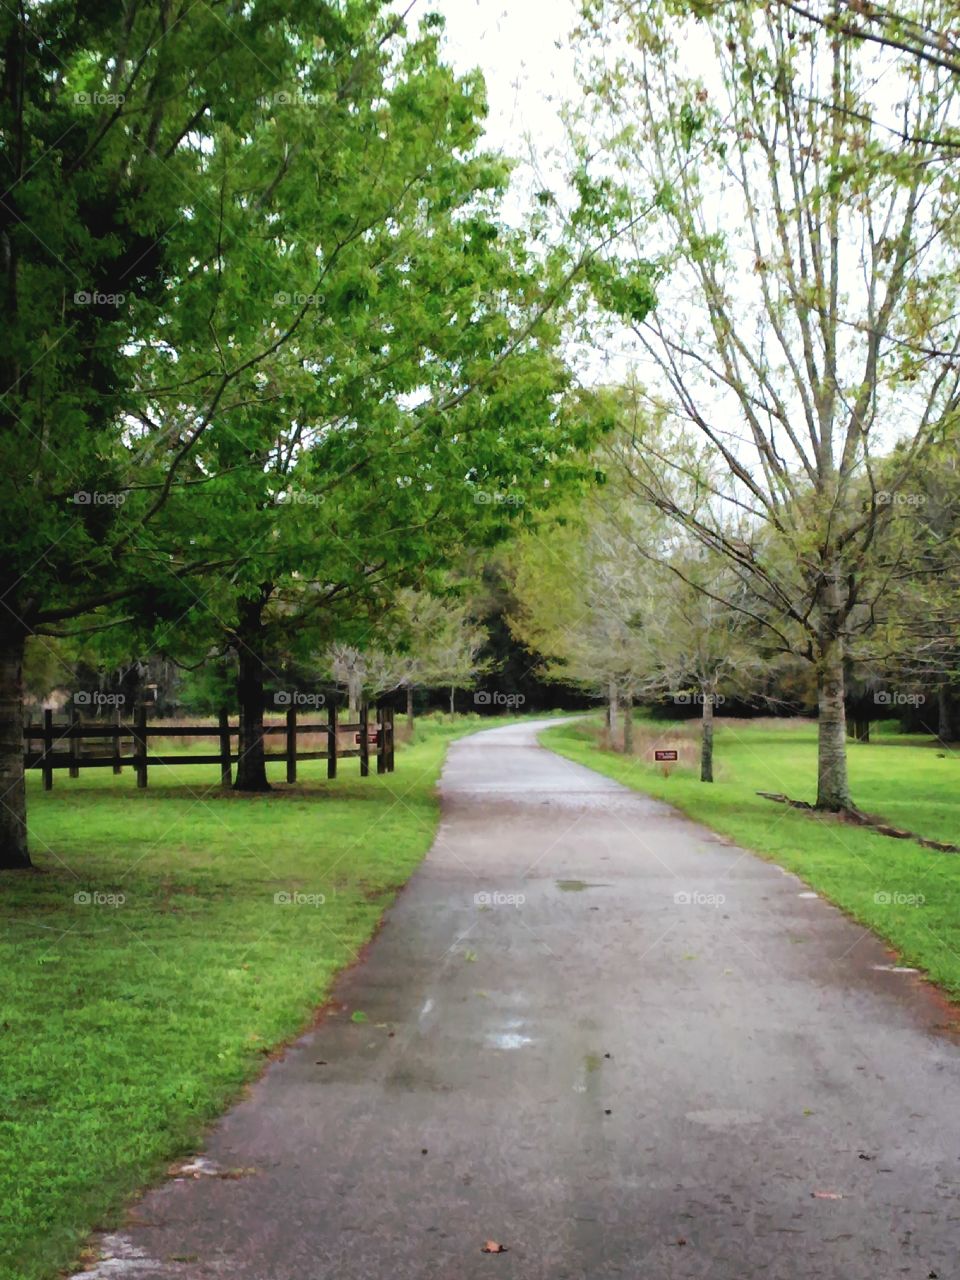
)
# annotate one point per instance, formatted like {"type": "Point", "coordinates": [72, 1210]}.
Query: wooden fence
{"type": "Point", "coordinates": [63, 745]}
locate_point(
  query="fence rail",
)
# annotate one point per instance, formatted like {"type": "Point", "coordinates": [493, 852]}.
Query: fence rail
{"type": "Point", "coordinates": [128, 744]}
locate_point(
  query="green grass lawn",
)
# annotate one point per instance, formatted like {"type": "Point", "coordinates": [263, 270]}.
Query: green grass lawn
{"type": "Point", "coordinates": [128, 1023]}
{"type": "Point", "coordinates": [907, 894]}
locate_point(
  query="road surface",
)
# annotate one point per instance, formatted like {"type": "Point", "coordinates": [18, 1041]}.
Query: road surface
{"type": "Point", "coordinates": [621, 1048]}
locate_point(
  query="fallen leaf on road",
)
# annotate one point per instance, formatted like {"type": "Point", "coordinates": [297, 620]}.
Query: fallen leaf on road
{"type": "Point", "coordinates": [491, 1246]}
{"type": "Point", "coordinates": [827, 1195]}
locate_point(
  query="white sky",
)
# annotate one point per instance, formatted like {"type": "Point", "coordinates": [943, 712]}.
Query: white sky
{"type": "Point", "coordinates": [523, 49]}
{"type": "Point", "coordinates": [515, 44]}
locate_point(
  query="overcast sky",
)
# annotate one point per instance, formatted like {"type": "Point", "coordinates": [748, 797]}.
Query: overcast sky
{"type": "Point", "coordinates": [516, 46]}
{"type": "Point", "coordinates": [522, 48]}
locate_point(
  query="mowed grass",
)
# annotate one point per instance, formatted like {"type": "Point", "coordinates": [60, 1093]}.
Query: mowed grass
{"type": "Point", "coordinates": [907, 894]}
{"type": "Point", "coordinates": [130, 1019]}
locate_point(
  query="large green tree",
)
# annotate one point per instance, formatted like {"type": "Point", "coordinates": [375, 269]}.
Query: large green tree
{"type": "Point", "coordinates": [245, 249]}
{"type": "Point", "coordinates": [417, 409]}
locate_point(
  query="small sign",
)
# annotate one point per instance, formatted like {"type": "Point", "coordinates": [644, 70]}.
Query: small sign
{"type": "Point", "coordinates": [373, 737]}
{"type": "Point", "coordinates": [664, 755]}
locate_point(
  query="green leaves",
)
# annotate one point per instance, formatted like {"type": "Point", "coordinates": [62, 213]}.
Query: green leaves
{"type": "Point", "coordinates": [624, 287]}
{"type": "Point", "coordinates": [691, 123]}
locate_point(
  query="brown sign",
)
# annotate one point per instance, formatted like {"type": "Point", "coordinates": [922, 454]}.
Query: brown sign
{"type": "Point", "coordinates": [664, 755]}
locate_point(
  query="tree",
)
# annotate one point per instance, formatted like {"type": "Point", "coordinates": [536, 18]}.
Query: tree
{"type": "Point", "coordinates": [807, 279]}
{"type": "Point", "coordinates": [146, 169]}
{"type": "Point", "coordinates": [642, 614]}
{"type": "Point", "coordinates": [917, 641]}
{"type": "Point", "coordinates": [701, 647]}
{"type": "Point", "coordinates": [348, 491]}
{"type": "Point", "coordinates": [426, 641]}
{"type": "Point", "coordinates": [578, 604]}
{"type": "Point", "coordinates": [925, 31]}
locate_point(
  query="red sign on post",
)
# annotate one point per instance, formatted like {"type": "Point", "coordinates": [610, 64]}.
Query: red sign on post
{"type": "Point", "coordinates": [664, 755]}
{"type": "Point", "coordinates": [373, 737]}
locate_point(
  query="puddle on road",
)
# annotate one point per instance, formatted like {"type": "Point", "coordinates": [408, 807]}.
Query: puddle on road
{"type": "Point", "coordinates": [577, 886]}
{"type": "Point", "coordinates": [509, 1040]}
{"type": "Point", "coordinates": [511, 1037]}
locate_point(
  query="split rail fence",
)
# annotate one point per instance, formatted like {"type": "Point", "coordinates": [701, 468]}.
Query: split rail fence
{"type": "Point", "coordinates": [80, 744]}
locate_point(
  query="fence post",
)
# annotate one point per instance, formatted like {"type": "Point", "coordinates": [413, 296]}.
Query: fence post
{"type": "Point", "coordinates": [381, 741]}
{"type": "Point", "coordinates": [140, 745]}
{"type": "Point", "coordinates": [389, 730]}
{"type": "Point", "coordinates": [74, 743]}
{"type": "Point", "coordinates": [226, 770]}
{"type": "Point", "coordinates": [364, 744]}
{"type": "Point", "coordinates": [117, 766]}
{"type": "Point", "coordinates": [291, 744]}
{"type": "Point", "coordinates": [332, 740]}
{"type": "Point", "coordinates": [47, 749]}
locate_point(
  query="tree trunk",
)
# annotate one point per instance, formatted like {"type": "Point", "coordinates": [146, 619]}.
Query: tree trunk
{"type": "Point", "coordinates": [833, 793]}
{"type": "Point", "coordinates": [858, 729]}
{"type": "Point", "coordinates": [946, 713]}
{"type": "Point", "coordinates": [251, 765]}
{"type": "Point", "coordinates": [628, 724]}
{"type": "Point", "coordinates": [410, 708]}
{"type": "Point", "coordinates": [612, 713]}
{"type": "Point", "coordinates": [706, 738]}
{"type": "Point", "coordinates": [453, 691]}
{"type": "Point", "coordinates": [13, 809]}
{"type": "Point", "coordinates": [354, 692]}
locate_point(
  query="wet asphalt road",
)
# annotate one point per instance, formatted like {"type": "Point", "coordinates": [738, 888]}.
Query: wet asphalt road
{"type": "Point", "coordinates": [608, 1079]}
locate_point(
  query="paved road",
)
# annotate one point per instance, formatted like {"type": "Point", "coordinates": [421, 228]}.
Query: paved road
{"type": "Point", "coordinates": [609, 1080]}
